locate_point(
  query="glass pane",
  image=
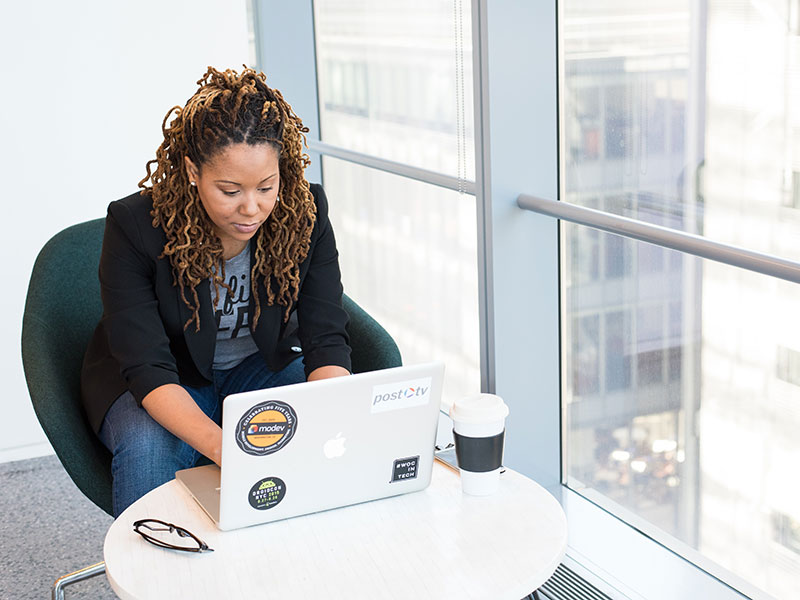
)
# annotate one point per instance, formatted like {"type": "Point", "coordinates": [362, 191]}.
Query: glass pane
{"type": "Point", "coordinates": [686, 113]}
{"type": "Point", "coordinates": [409, 257]}
{"type": "Point", "coordinates": [682, 401]}
{"type": "Point", "coordinates": [395, 80]}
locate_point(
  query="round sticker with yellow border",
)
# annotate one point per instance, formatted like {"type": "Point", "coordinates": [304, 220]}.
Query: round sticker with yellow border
{"type": "Point", "coordinates": [266, 428]}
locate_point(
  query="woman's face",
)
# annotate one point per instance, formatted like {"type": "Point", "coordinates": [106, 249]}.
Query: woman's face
{"type": "Point", "coordinates": [238, 188]}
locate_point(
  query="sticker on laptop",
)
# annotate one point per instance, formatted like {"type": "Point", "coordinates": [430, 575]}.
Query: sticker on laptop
{"type": "Point", "coordinates": [266, 428]}
{"type": "Point", "coordinates": [405, 468]}
{"type": "Point", "coordinates": [396, 396]}
{"type": "Point", "coordinates": [267, 493]}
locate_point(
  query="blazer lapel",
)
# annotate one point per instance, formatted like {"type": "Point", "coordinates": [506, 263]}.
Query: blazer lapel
{"type": "Point", "coordinates": [201, 343]}
{"type": "Point", "coordinates": [265, 335]}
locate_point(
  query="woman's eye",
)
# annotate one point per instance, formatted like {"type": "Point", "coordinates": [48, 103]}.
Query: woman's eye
{"type": "Point", "coordinates": [264, 190]}
{"type": "Point", "coordinates": [227, 193]}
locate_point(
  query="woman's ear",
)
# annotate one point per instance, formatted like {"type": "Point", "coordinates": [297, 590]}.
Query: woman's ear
{"type": "Point", "coordinates": [191, 170]}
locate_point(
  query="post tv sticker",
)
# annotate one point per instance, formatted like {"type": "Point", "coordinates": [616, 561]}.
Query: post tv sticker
{"type": "Point", "coordinates": [266, 428]}
{"type": "Point", "coordinates": [267, 493]}
{"type": "Point", "coordinates": [396, 396]}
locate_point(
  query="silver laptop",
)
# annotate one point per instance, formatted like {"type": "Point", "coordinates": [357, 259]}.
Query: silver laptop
{"type": "Point", "coordinates": [314, 446]}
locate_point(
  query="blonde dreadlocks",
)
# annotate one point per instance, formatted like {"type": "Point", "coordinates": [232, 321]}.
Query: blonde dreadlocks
{"type": "Point", "coordinates": [230, 108]}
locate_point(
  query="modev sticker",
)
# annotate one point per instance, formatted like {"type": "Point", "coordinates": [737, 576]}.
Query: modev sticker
{"type": "Point", "coordinates": [266, 428]}
{"type": "Point", "coordinates": [396, 396]}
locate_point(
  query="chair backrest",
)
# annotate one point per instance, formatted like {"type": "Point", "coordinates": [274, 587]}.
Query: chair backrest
{"type": "Point", "coordinates": [61, 311]}
{"type": "Point", "coordinates": [372, 347]}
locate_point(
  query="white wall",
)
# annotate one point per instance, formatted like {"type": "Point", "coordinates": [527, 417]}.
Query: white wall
{"type": "Point", "coordinates": [83, 91]}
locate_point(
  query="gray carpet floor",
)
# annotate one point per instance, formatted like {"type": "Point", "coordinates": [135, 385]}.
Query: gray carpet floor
{"type": "Point", "coordinates": [48, 528]}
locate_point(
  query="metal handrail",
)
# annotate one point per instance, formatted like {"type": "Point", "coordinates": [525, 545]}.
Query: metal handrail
{"type": "Point", "coordinates": [396, 168]}
{"type": "Point", "coordinates": [689, 243]}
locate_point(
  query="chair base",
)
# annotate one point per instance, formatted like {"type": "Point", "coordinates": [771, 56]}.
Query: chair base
{"type": "Point", "coordinates": [80, 575]}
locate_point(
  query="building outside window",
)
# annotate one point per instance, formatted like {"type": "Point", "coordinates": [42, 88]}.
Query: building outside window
{"type": "Point", "coordinates": [684, 114]}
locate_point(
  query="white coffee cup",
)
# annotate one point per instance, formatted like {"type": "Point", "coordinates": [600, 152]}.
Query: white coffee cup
{"type": "Point", "coordinates": [479, 431]}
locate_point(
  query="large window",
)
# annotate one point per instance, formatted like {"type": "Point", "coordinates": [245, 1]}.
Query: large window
{"type": "Point", "coordinates": [681, 399]}
{"type": "Point", "coordinates": [395, 84]}
{"type": "Point", "coordinates": [648, 386]}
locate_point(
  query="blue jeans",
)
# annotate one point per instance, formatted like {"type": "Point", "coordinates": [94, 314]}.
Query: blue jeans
{"type": "Point", "coordinates": [145, 455]}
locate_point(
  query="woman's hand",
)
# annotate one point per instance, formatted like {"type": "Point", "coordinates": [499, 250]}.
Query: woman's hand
{"type": "Point", "coordinates": [176, 411]}
{"type": "Point", "coordinates": [327, 372]}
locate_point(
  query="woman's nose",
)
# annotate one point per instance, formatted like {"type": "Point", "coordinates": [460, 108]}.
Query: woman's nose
{"type": "Point", "coordinates": [249, 204]}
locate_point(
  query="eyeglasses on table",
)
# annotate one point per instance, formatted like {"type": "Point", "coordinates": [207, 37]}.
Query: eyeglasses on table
{"type": "Point", "coordinates": [168, 535]}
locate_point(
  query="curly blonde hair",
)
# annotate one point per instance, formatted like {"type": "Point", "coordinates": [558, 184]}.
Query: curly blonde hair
{"type": "Point", "coordinates": [231, 108]}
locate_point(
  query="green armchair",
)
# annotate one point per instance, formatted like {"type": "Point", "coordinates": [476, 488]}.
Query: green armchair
{"type": "Point", "coordinates": [61, 311]}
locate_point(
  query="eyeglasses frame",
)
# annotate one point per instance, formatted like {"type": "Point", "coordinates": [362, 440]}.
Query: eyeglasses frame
{"type": "Point", "coordinates": [202, 546]}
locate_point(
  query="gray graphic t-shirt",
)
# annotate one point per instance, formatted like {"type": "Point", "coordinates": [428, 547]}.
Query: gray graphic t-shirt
{"type": "Point", "coordinates": [234, 342]}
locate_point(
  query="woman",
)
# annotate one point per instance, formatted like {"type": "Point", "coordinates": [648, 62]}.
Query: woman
{"type": "Point", "coordinates": [220, 276]}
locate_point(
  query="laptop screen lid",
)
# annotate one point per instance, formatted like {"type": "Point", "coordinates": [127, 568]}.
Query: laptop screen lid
{"type": "Point", "coordinates": [324, 444]}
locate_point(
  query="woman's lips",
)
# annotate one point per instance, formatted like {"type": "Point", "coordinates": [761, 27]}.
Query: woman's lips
{"type": "Point", "coordinates": [246, 228]}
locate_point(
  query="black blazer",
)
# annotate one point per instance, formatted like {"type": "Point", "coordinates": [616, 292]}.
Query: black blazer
{"type": "Point", "coordinates": [140, 343]}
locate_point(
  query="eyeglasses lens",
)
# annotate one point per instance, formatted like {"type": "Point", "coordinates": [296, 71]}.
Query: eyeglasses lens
{"type": "Point", "coordinates": [169, 536]}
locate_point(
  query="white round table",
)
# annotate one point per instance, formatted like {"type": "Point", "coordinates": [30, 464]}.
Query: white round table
{"type": "Point", "coordinates": [437, 543]}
